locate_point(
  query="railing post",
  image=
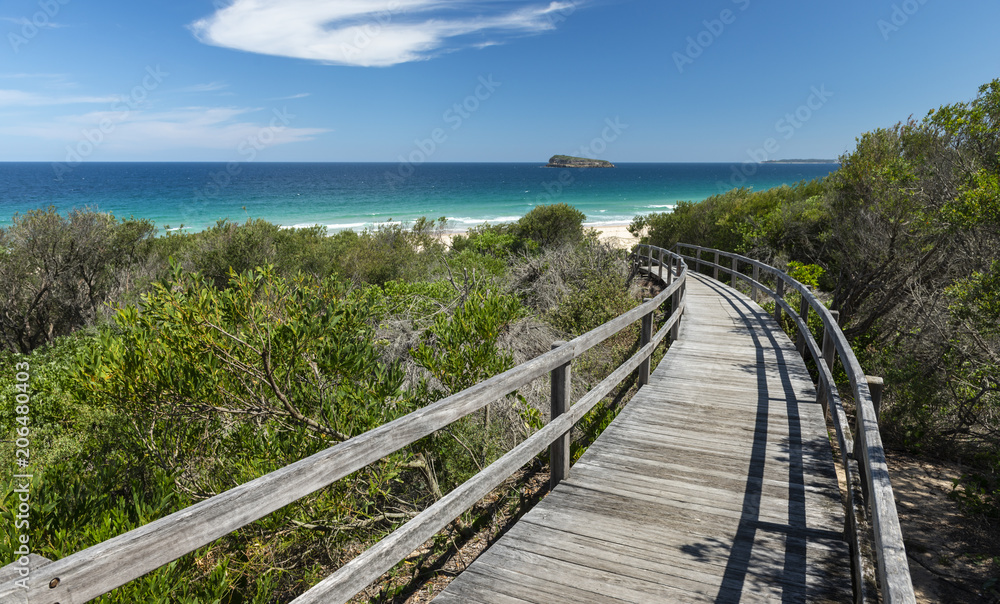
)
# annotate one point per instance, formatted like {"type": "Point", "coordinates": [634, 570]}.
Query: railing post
{"type": "Point", "coordinates": [559, 450]}
{"type": "Point", "coordinates": [715, 269]}
{"type": "Point", "coordinates": [779, 289]}
{"type": "Point", "coordinates": [645, 337]}
{"type": "Point", "coordinates": [800, 339]}
{"type": "Point", "coordinates": [875, 386]}
{"type": "Point", "coordinates": [756, 280]}
{"type": "Point", "coordinates": [828, 351]}
{"type": "Point", "coordinates": [860, 449]}
{"type": "Point", "coordinates": [675, 302]}
{"type": "Point", "coordinates": [670, 269]}
{"type": "Point", "coordinates": [649, 261]}
{"type": "Point", "coordinates": [659, 266]}
{"type": "Point", "coordinates": [697, 260]}
{"type": "Point", "coordinates": [828, 347]}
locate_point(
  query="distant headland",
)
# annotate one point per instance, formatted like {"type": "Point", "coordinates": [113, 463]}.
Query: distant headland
{"type": "Point", "coordinates": [568, 161]}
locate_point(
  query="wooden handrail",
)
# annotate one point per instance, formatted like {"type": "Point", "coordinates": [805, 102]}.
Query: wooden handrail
{"type": "Point", "coordinates": [101, 568]}
{"type": "Point", "coordinates": [864, 454]}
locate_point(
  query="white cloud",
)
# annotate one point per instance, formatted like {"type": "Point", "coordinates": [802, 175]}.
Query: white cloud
{"type": "Point", "coordinates": [21, 98]}
{"type": "Point", "coordinates": [24, 22]}
{"type": "Point", "coordinates": [54, 76]}
{"type": "Point", "coordinates": [208, 87]}
{"type": "Point", "coordinates": [369, 32]}
{"type": "Point", "coordinates": [143, 131]}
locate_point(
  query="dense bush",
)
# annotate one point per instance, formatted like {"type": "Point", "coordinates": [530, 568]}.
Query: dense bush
{"type": "Point", "coordinates": [544, 227]}
{"type": "Point", "coordinates": [60, 273]}
{"type": "Point", "coordinates": [551, 225]}
{"type": "Point", "coordinates": [787, 220]}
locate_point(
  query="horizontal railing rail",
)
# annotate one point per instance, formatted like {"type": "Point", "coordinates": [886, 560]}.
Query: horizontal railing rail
{"type": "Point", "coordinates": [92, 572]}
{"type": "Point", "coordinates": [862, 454]}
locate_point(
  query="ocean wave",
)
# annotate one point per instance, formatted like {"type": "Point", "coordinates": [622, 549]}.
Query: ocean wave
{"type": "Point", "coordinates": [346, 225]}
{"type": "Point", "coordinates": [609, 222]}
{"type": "Point", "coordinates": [301, 225]}
{"type": "Point", "coordinates": [482, 219]}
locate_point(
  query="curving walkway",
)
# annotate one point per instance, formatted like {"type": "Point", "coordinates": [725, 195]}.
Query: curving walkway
{"type": "Point", "coordinates": [716, 483]}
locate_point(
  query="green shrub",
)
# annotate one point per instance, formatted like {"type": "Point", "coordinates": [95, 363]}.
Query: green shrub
{"type": "Point", "coordinates": [495, 240]}
{"type": "Point", "coordinates": [60, 273]}
{"type": "Point", "coordinates": [552, 225]}
{"type": "Point", "coordinates": [782, 221]}
{"type": "Point", "coordinates": [806, 274]}
{"type": "Point", "coordinates": [389, 252]}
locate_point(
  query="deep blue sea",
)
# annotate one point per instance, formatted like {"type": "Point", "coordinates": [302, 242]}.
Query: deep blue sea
{"type": "Point", "coordinates": [358, 195]}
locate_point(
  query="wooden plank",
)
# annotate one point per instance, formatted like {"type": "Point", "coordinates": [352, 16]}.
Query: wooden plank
{"type": "Point", "coordinates": [602, 582]}
{"type": "Point", "coordinates": [700, 571]}
{"type": "Point", "coordinates": [676, 545]}
{"type": "Point", "coordinates": [15, 570]}
{"type": "Point", "coordinates": [487, 579]}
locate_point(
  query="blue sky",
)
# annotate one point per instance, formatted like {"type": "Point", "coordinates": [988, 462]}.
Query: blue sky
{"type": "Point", "coordinates": [502, 80]}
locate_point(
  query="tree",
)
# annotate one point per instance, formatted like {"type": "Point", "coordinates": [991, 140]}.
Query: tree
{"type": "Point", "coordinates": [552, 225]}
{"type": "Point", "coordinates": [59, 273]}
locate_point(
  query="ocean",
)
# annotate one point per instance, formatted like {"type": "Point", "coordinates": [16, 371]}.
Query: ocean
{"type": "Point", "coordinates": [194, 196]}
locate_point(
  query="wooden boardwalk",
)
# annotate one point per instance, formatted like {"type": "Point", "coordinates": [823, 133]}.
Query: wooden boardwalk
{"type": "Point", "coordinates": [716, 483]}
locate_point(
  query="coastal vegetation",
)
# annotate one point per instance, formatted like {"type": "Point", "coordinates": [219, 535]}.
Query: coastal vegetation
{"type": "Point", "coordinates": [164, 370]}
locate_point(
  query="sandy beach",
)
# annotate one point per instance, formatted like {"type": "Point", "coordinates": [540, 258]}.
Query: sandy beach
{"type": "Point", "coordinates": [614, 234]}
{"type": "Point", "coordinates": [617, 235]}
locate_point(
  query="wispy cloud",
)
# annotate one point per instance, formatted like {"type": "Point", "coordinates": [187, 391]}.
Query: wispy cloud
{"type": "Point", "coordinates": [21, 76]}
{"type": "Point", "coordinates": [143, 131]}
{"type": "Point", "coordinates": [21, 98]}
{"type": "Point", "coordinates": [300, 95]}
{"type": "Point", "coordinates": [207, 87]}
{"type": "Point", "coordinates": [370, 32]}
{"type": "Point", "coordinates": [23, 21]}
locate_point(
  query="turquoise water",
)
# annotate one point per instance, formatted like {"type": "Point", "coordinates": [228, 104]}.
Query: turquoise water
{"type": "Point", "coordinates": [358, 195]}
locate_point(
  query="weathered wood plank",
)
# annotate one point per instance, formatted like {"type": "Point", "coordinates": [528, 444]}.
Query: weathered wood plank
{"type": "Point", "coordinates": [15, 570]}
{"type": "Point", "coordinates": [699, 570]}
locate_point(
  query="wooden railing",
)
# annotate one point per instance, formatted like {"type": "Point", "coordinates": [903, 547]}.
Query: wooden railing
{"type": "Point", "coordinates": [861, 454]}
{"type": "Point", "coordinates": [101, 568]}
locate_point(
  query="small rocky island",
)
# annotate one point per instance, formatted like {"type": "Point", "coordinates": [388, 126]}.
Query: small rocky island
{"type": "Point", "coordinates": [568, 161]}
